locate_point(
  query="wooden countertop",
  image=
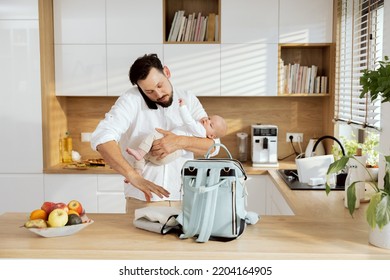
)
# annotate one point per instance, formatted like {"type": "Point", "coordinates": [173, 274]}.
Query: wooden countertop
{"type": "Point", "coordinates": [321, 229]}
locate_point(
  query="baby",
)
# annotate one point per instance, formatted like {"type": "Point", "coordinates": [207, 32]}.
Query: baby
{"type": "Point", "coordinates": [210, 127]}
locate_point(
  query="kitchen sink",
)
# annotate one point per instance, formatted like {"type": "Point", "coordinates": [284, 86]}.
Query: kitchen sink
{"type": "Point", "coordinates": [290, 177]}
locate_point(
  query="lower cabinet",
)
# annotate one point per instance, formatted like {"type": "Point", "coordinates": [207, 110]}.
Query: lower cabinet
{"type": "Point", "coordinates": [110, 194]}
{"type": "Point", "coordinates": [66, 187]}
{"type": "Point", "coordinates": [97, 193]}
{"type": "Point", "coordinates": [264, 197]}
{"type": "Point", "coordinates": [21, 192]}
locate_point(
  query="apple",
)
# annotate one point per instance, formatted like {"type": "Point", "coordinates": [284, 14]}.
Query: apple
{"type": "Point", "coordinates": [61, 205]}
{"type": "Point", "coordinates": [71, 211]}
{"type": "Point", "coordinates": [48, 206]}
{"type": "Point", "coordinates": [58, 218]}
{"type": "Point", "coordinates": [76, 206]}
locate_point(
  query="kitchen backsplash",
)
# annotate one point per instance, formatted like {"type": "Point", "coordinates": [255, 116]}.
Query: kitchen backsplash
{"type": "Point", "coordinates": [290, 114]}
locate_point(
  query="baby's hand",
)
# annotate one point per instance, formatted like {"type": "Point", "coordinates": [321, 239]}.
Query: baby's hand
{"type": "Point", "coordinates": [181, 102]}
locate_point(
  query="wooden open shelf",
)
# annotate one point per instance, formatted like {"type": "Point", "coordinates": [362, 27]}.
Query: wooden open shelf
{"type": "Point", "coordinates": [170, 7]}
{"type": "Point", "coordinates": [308, 55]}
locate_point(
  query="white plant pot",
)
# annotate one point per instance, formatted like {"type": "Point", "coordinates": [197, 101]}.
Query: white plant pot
{"type": "Point", "coordinates": [380, 238]}
{"type": "Point", "coordinates": [374, 174]}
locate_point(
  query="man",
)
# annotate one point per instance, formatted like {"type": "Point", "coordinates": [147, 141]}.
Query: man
{"type": "Point", "coordinates": [152, 105]}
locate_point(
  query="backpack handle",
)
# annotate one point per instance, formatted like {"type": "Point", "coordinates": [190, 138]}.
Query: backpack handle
{"type": "Point", "coordinates": [207, 155]}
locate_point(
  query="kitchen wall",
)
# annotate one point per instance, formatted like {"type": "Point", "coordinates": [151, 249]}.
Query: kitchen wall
{"type": "Point", "coordinates": [290, 114]}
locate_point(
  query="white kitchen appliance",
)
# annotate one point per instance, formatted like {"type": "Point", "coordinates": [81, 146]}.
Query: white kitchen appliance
{"type": "Point", "coordinates": [264, 145]}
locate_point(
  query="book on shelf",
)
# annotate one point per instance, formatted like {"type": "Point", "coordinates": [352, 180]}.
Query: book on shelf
{"type": "Point", "coordinates": [182, 26]}
{"type": "Point", "coordinates": [216, 28]}
{"type": "Point", "coordinates": [176, 27]}
{"type": "Point", "coordinates": [172, 27]}
{"type": "Point", "coordinates": [296, 78]}
{"type": "Point", "coordinates": [194, 27]}
{"type": "Point", "coordinates": [211, 27]}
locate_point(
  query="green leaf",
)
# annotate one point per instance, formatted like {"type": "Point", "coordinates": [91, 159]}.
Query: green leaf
{"type": "Point", "coordinates": [351, 197]}
{"type": "Point", "coordinates": [338, 165]}
{"type": "Point", "coordinates": [386, 179]}
{"type": "Point", "coordinates": [371, 209]}
{"type": "Point", "coordinates": [383, 211]}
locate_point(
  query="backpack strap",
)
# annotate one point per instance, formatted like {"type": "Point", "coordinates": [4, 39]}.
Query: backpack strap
{"type": "Point", "coordinates": [210, 205]}
{"type": "Point", "coordinates": [199, 204]}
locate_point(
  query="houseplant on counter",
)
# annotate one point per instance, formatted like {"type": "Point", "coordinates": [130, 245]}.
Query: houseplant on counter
{"type": "Point", "coordinates": [376, 84]}
{"type": "Point", "coordinates": [378, 211]}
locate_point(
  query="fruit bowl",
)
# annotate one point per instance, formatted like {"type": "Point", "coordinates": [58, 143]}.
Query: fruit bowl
{"type": "Point", "coordinates": [60, 231]}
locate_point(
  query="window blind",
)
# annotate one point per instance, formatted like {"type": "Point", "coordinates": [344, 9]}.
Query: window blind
{"type": "Point", "coordinates": [359, 46]}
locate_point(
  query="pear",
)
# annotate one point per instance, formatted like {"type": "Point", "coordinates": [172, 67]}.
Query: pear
{"type": "Point", "coordinates": [38, 223]}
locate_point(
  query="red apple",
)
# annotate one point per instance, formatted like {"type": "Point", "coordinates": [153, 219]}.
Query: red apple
{"type": "Point", "coordinates": [58, 218]}
{"type": "Point", "coordinates": [61, 205]}
{"type": "Point", "coordinates": [76, 206]}
{"type": "Point", "coordinates": [48, 206]}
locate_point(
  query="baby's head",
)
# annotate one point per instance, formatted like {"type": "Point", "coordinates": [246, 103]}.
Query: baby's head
{"type": "Point", "coordinates": [215, 126]}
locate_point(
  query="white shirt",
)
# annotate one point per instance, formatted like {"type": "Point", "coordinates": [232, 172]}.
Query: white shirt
{"type": "Point", "coordinates": [130, 120]}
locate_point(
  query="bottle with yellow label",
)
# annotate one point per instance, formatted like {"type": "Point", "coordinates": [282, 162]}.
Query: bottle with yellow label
{"type": "Point", "coordinates": [67, 148]}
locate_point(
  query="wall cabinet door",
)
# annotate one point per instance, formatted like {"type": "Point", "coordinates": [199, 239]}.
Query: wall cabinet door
{"type": "Point", "coordinates": [20, 94]}
{"type": "Point", "coordinates": [80, 70]}
{"type": "Point", "coordinates": [249, 21]}
{"type": "Point", "coordinates": [256, 186]}
{"type": "Point", "coordinates": [119, 60]}
{"type": "Point", "coordinates": [21, 192]}
{"type": "Point", "coordinates": [110, 195]}
{"type": "Point", "coordinates": [194, 67]}
{"type": "Point", "coordinates": [303, 21]}
{"type": "Point", "coordinates": [249, 69]}
{"type": "Point", "coordinates": [134, 22]}
{"type": "Point", "coordinates": [79, 22]}
{"type": "Point", "coordinates": [66, 187]}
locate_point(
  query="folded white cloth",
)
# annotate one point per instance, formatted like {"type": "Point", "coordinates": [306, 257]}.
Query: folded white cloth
{"type": "Point", "coordinates": [160, 219]}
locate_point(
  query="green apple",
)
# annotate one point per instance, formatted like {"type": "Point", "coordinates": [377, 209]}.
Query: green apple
{"type": "Point", "coordinates": [58, 218]}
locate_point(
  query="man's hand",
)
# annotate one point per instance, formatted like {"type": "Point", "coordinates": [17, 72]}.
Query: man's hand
{"type": "Point", "coordinates": [166, 145]}
{"type": "Point", "coordinates": [147, 187]}
{"type": "Point", "coordinates": [113, 156]}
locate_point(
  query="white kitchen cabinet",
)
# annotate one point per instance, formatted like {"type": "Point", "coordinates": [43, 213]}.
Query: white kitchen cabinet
{"type": "Point", "coordinates": [110, 194]}
{"type": "Point", "coordinates": [256, 200]}
{"type": "Point", "coordinates": [119, 60]}
{"type": "Point", "coordinates": [264, 198]}
{"type": "Point", "coordinates": [249, 69]}
{"type": "Point", "coordinates": [134, 22]}
{"type": "Point", "coordinates": [303, 21]}
{"type": "Point", "coordinates": [20, 94]}
{"type": "Point", "coordinates": [81, 70]}
{"type": "Point", "coordinates": [276, 204]}
{"type": "Point", "coordinates": [195, 67]}
{"type": "Point", "coordinates": [249, 21]}
{"type": "Point", "coordinates": [21, 192]}
{"type": "Point", "coordinates": [21, 9]}
{"type": "Point", "coordinates": [66, 187]}
{"type": "Point", "coordinates": [79, 21]}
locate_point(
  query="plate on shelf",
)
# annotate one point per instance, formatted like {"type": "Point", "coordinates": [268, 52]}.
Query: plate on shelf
{"type": "Point", "coordinates": [60, 231]}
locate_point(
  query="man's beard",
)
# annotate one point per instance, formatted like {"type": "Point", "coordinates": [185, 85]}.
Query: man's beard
{"type": "Point", "coordinates": [167, 103]}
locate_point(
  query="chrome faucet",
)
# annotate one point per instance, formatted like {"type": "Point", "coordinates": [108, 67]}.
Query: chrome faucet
{"type": "Point", "coordinates": [327, 137]}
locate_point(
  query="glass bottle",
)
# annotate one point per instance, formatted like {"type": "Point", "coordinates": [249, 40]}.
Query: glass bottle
{"type": "Point", "coordinates": [67, 148]}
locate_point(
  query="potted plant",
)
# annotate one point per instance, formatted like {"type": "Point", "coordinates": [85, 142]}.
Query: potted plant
{"type": "Point", "coordinates": [378, 211]}
{"type": "Point", "coordinates": [376, 82]}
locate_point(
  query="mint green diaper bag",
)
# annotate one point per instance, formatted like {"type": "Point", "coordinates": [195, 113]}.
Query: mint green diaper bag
{"type": "Point", "coordinates": [214, 198]}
